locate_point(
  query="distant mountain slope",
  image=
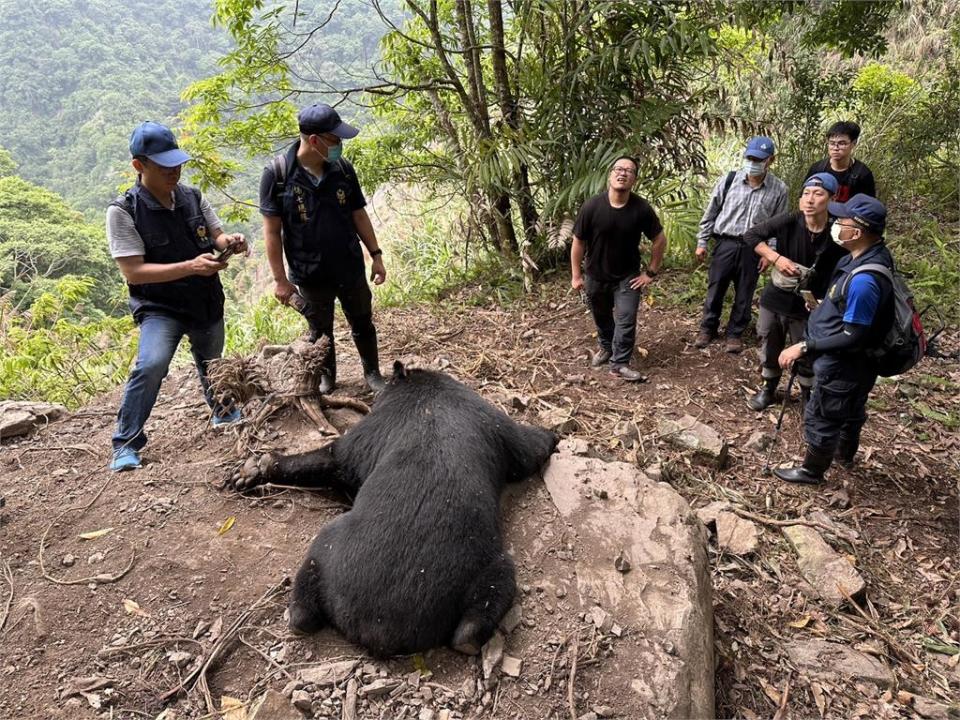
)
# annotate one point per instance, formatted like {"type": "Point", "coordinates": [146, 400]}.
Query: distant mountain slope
{"type": "Point", "coordinates": [77, 74]}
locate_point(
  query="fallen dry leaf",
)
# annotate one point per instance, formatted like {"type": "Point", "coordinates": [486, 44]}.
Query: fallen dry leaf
{"type": "Point", "coordinates": [226, 525]}
{"type": "Point", "coordinates": [232, 708]}
{"type": "Point", "coordinates": [133, 608]}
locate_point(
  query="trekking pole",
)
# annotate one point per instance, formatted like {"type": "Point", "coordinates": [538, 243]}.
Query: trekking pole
{"type": "Point", "coordinates": [783, 408]}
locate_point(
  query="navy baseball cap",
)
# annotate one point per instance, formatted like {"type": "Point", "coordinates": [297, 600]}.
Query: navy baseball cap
{"type": "Point", "coordinates": [760, 147]}
{"type": "Point", "coordinates": [320, 118]}
{"type": "Point", "coordinates": [823, 180]}
{"type": "Point", "coordinates": [864, 210]}
{"type": "Point", "coordinates": [157, 143]}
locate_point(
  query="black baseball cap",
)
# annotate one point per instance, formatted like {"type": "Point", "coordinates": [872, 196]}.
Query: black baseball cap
{"type": "Point", "coordinates": [320, 118]}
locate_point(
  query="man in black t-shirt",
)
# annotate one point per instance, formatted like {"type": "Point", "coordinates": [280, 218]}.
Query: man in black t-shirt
{"type": "Point", "coordinates": [314, 217]}
{"type": "Point", "coordinates": [853, 177]}
{"type": "Point", "coordinates": [607, 232]}
{"type": "Point", "coordinates": [799, 250]}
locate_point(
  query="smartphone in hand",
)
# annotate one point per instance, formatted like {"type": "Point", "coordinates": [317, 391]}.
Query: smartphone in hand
{"type": "Point", "coordinates": [809, 298]}
{"type": "Point", "coordinates": [226, 253]}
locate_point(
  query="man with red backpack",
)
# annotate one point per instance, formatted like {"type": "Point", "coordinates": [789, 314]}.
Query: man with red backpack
{"type": "Point", "coordinates": [842, 338]}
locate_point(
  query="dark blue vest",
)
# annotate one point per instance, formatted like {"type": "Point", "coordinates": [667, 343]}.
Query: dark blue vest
{"type": "Point", "coordinates": [827, 319]}
{"type": "Point", "coordinates": [171, 236]}
{"type": "Point", "coordinates": [320, 240]}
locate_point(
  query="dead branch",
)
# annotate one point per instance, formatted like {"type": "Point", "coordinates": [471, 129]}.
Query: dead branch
{"type": "Point", "coordinates": [898, 650]}
{"type": "Point", "coordinates": [198, 675]}
{"type": "Point", "coordinates": [574, 651]}
{"type": "Point", "coordinates": [763, 520]}
{"type": "Point", "coordinates": [8, 577]}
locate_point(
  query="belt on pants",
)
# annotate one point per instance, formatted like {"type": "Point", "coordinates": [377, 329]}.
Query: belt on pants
{"type": "Point", "coordinates": [731, 238]}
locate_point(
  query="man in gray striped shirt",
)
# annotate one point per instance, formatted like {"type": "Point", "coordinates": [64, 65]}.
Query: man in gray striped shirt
{"type": "Point", "coordinates": [739, 200]}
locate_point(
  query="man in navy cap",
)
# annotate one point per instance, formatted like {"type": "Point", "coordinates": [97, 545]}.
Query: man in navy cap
{"type": "Point", "coordinates": [739, 201]}
{"type": "Point", "coordinates": [169, 245]}
{"type": "Point", "coordinates": [854, 316]}
{"type": "Point", "coordinates": [797, 247]}
{"type": "Point", "coordinates": [313, 214]}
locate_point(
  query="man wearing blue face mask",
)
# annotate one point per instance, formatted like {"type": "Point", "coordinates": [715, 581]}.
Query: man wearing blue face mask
{"type": "Point", "coordinates": [314, 216]}
{"type": "Point", "coordinates": [739, 200]}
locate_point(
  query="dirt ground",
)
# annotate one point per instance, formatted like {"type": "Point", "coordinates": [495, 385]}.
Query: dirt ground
{"type": "Point", "coordinates": [110, 626]}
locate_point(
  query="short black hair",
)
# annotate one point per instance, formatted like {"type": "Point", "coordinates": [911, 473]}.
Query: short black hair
{"type": "Point", "coordinates": [631, 158]}
{"type": "Point", "coordinates": [844, 127]}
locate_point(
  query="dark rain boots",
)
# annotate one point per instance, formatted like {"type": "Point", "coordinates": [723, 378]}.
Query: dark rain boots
{"type": "Point", "coordinates": [370, 359]}
{"type": "Point", "coordinates": [847, 450]}
{"type": "Point", "coordinates": [815, 464]}
{"type": "Point", "coordinates": [328, 381]}
{"type": "Point", "coordinates": [767, 396]}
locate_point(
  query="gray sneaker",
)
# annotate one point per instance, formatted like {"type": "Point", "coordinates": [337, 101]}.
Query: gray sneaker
{"type": "Point", "coordinates": [600, 358]}
{"type": "Point", "coordinates": [626, 373]}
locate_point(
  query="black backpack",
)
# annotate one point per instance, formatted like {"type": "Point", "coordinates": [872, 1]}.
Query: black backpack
{"type": "Point", "coordinates": [905, 343]}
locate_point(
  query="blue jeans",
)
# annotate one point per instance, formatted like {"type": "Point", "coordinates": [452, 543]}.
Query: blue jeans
{"type": "Point", "coordinates": [159, 337]}
{"type": "Point", "coordinates": [614, 306]}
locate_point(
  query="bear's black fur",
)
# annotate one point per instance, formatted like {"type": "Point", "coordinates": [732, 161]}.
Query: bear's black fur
{"type": "Point", "coordinates": [418, 561]}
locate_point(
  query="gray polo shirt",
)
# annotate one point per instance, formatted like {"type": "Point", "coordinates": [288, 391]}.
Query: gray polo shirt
{"type": "Point", "coordinates": [124, 239]}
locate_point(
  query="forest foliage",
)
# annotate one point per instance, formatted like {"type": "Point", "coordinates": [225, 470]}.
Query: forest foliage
{"type": "Point", "coordinates": [485, 124]}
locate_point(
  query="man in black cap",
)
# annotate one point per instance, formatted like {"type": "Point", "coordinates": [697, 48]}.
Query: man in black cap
{"type": "Point", "coordinates": [169, 245]}
{"type": "Point", "coordinates": [804, 259]}
{"type": "Point", "coordinates": [854, 317]}
{"type": "Point", "coordinates": [313, 214]}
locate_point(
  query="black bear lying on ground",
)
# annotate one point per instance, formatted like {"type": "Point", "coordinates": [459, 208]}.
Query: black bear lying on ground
{"type": "Point", "coordinates": [418, 561]}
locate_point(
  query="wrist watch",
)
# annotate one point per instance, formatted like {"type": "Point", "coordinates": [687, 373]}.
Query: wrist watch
{"type": "Point", "coordinates": [651, 273]}
{"type": "Point", "coordinates": [803, 347]}
{"type": "Point", "coordinates": [374, 253]}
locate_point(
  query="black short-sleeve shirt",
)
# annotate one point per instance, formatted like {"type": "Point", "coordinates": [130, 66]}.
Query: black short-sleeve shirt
{"type": "Point", "coordinates": [319, 235]}
{"type": "Point", "coordinates": [612, 235]}
{"type": "Point", "coordinates": [856, 179]}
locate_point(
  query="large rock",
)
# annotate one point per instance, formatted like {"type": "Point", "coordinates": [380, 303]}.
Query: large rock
{"type": "Point", "coordinates": [691, 434]}
{"type": "Point", "coordinates": [665, 599]}
{"type": "Point", "coordinates": [824, 659]}
{"type": "Point", "coordinates": [822, 567]}
{"type": "Point", "coordinates": [19, 417]}
{"type": "Point", "coordinates": [736, 534]}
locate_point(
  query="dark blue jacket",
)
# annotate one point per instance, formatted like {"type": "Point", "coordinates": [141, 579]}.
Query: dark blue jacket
{"type": "Point", "coordinates": [171, 236]}
{"type": "Point", "coordinates": [827, 318]}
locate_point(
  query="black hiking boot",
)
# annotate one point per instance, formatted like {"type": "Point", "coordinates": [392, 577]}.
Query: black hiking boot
{"type": "Point", "coordinates": [370, 360]}
{"type": "Point", "coordinates": [767, 395]}
{"type": "Point", "coordinates": [815, 464]}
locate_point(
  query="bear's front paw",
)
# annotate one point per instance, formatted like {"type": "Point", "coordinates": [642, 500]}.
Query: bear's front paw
{"type": "Point", "coordinates": [248, 474]}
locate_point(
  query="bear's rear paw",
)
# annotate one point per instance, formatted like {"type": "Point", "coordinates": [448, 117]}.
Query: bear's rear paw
{"type": "Point", "coordinates": [468, 638]}
{"type": "Point", "coordinates": [248, 474]}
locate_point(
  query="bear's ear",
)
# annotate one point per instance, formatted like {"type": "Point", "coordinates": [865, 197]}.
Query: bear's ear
{"type": "Point", "coordinates": [399, 371]}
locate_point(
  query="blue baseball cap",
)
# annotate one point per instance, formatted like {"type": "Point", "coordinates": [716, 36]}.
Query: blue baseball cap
{"type": "Point", "coordinates": [864, 210]}
{"type": "Point", "coordinates": [760, 147]}
{"type": "Point", "coordinates": [157, 143]}
{"type": "Point", "coordinates": [320, 118]}
{"type": "Point", "coordinates": [823, 180]}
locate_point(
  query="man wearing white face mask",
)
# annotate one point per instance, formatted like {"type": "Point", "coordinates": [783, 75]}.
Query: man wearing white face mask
{"type": "Point", "coordinates": [854, 316]}
{"type": "Point", "coordinates": [739, 201]}
{"type": "Point", "coordinates": [313, 215]}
